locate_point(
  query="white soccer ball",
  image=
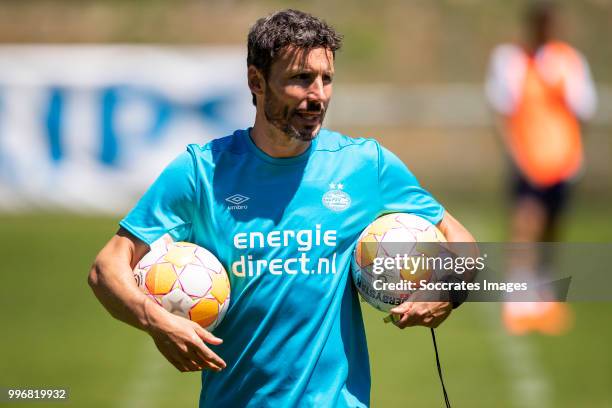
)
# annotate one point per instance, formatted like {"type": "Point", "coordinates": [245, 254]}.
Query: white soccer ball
{"type": "Point", "coordinates": [185, 279]}
{"type": "Point", "coordinates": [391, 236]}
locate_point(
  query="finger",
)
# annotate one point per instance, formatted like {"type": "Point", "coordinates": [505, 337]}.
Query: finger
{"type": "Point", "coordinates": [174, 360]}
{"type": "Point", "coordinates": [413, 320]}
{"type": "Point", "coordinates": [177, 364]}
{"type": "Point", "coordinates": [189, 360]}
{"type": "Point", "coordinates": [200, 351]}
{"type": "Point", "coordinates": [170, 357]}
{"type": "Point", "coordinates": [213, 358]}
{"type": "Point", "coordinates": [207, 336]}
{"type": "Point", "coordinates": [428, 318]}
{"type": "Point", "coordinates": [192, 355]}
{"type": "Point", "coordinates": [206, 354]}
{"type": "Point", "coordinates": [183, 363]}
{"type": "Point", "coordinates": [212, 367]}
{"type": "Point", "coordinates": [207, 365]}
{"type": "Point", "coordinates": [401, 323]}
{"type": "Point", "coordinates": [196, 354]}
{"type": "Point", "coordinates": [441, 308]}
{"type": "Point", "coordinates": [403, 308]}
{"type": "Point", "coordinates": [392, 318]}
{"type": "Point", "coordinates": [419, 314]}
{"type": "Point", "coordinates": [192, 365]}
{"type": "Point", "coordinates": [407, 320]}
{"type": "Point", "coordinates": [184, 360]}
{"type": "Point", "coordinates": [429, 321]}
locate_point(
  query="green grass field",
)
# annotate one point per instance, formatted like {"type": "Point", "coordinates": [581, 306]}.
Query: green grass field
{"type": "Point", "coordinates": [55, 334]}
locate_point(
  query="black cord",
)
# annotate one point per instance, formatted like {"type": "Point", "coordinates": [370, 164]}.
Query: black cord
{"type": "Point", "coordinates": [433, 337]}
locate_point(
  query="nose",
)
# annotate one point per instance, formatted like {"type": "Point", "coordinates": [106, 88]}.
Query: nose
{"type": "Point", "coordinates": [316, 90]}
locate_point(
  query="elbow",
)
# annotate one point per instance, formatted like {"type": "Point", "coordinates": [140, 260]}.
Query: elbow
{"type": "Point", "coordinates": [93, 278]}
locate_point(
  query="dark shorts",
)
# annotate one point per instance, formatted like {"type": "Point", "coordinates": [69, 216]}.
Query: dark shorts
{"type": "Point", "coordinates": [554, 198]}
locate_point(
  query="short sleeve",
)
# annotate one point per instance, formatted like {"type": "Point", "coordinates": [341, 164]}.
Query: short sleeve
{"type": "Point", "coordinates": [580, 91]}
{"type": "Point", "coordinates": [399, 190]}
{"type": "Point", "coordinates": [505, 76]}
{"type": "Point", "coordinates": [560, 62]}
{"type": "Point", "coordinates": [168, 204]}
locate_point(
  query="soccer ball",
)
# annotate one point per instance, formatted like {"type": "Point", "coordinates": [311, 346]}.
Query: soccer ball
{"type": "Point", "coordinates": [392, 236]}
{"type": "Point", "coordinates": [185, 279]}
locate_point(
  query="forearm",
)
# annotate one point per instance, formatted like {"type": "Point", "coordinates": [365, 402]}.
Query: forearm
{"type": "Point", "coordinates": [112, 281]}
{"type": "Point", "coordinates": [462, 244]}
{"type": "Point", "coordinates": [181, 341]}
{"type": "Point", "coordinates": [453, 230]}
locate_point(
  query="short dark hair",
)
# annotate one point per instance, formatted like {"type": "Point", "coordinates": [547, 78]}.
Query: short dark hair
{"type": "Point", "coordinates": [538, 12]}
{"type": "Point", "coordinates": [269, 35]}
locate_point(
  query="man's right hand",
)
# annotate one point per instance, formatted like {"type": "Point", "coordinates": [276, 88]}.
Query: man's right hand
{"type": "Point", "coordinates": [182, 341]}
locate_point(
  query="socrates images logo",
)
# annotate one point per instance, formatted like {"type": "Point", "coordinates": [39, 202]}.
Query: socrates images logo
{"type": "Point", "coordinates": [237, 200]}
{"type": "Point", "coordinates": [336, 199]}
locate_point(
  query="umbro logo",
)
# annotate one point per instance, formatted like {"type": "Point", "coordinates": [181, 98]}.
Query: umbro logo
{"type": "Point", "coordinates": [237, 200]}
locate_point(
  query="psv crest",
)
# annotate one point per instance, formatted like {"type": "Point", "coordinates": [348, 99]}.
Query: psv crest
{"type": "Point", "coordinates": [336, 199]}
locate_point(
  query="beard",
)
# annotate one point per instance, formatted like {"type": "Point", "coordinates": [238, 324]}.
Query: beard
{"type": "Point", "coordinates": [283, 118]}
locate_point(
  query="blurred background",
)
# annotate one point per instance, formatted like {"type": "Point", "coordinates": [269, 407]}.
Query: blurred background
{"type": "Point", "coordinates": [96, 97]}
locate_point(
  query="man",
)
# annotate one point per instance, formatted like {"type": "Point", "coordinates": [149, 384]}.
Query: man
{"type": "Point", "coordinates": [541, 91]}
{"type": "Point", "coordinates": [290, 337]}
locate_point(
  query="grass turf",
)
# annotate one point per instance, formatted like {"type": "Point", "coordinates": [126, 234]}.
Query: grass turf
{"type": "Point", "coordinates": [56, 334]}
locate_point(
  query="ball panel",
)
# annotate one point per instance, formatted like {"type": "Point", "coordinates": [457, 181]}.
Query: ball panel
{"type": "Point", "coordinates": [195, 280]}
{"type": "Point", "coordinates": [160, 279]}
{"type": "Point", "coordinates": [383, 224]}
{"type": "Point", "coordinates": [413, 222]}
{"type": "Point", "coordinates": [184, 244]}
{"type": "Point", "coordinates": [204, 312]}
{"type": "Point", "coordinates": [367, 249]}
{"type": "Point", "coordinates": [177, 302]}
{"type": "Point", "coordinates": [397, 241]}
{"type": "Point", "coordinates": [209, 260]}
{"type": "Point", "coordinates": [180, 256]}
{"type": "Point", "coordinates": [220, 287]}
{"type": "Point", "coordinates": [152, 257]}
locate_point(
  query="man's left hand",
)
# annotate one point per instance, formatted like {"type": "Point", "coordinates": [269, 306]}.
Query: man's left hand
{"type": "Point", "coordinates": [428, 314]}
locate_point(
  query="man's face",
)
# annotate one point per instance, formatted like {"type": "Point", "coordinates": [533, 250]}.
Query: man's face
{"type": "Point", "coordinates": [298, 91]}
{"type": "Point", "coordinates": [541, 27]}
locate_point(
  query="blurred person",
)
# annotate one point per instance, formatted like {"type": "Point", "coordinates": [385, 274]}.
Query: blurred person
{"type": "Point", "coordinates": [292, 337]}
{"type": "Point", "coordinates": [541, 90]}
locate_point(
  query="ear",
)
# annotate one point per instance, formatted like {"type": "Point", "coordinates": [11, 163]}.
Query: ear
{"type": "Point", "coordinates": [256, 81]}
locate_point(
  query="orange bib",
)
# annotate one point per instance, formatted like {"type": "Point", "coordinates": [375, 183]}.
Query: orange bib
{"type": "Point", "coordinates": [544, 134]}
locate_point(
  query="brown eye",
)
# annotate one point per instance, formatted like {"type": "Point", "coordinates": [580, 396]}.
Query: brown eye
{"type": "Point", "coordinates": [302, 77]}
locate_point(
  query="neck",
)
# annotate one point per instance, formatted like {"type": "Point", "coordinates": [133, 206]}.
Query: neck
{"type": "Point", "coordinates": [274, 142]}
{"type": "Point", "coordinates": [535, 41]}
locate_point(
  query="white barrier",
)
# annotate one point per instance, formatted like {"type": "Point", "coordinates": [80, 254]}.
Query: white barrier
{"type": "Point", "coordinates": [451, 106]}
{"type": "Point", "coordinates": [87, 128]}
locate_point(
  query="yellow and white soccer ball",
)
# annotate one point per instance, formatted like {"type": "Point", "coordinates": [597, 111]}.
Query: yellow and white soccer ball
{"type": "Point", "coordinates": [185, 279]}
{"type": "Point", "coordinates": [387, 237]}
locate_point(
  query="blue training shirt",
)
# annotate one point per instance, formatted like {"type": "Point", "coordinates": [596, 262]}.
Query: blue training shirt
{"type": "Point", "coordinates": [284, 228]}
